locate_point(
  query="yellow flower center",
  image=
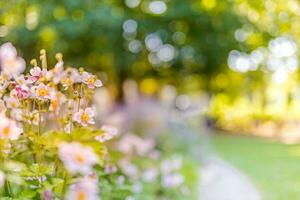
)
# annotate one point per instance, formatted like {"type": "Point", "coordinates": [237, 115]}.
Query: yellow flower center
{"type": "Point", "coordinates": [43, 92]}
{"type": "Point", "coordinates": [91, 80]}
{"type": "Point", "coordinates": [6, 131]}
{"type": "Point", "coordinates": [13, 104]}
{"type": "Point", "coordinates": [81, 195]}
{"type": "Point", "coordinates": [68, 81]}
{"type": "Point", "coordinates": [85, 117]}
{"type": "Point", "coordinates": [79, 158]}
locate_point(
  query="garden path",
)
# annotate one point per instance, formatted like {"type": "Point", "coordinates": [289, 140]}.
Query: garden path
{"type": "Point", "coordinates": [222, 181]}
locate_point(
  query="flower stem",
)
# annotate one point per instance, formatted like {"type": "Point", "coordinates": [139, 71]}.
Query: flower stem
{"type": "Point", "coordinates": [7, 189]}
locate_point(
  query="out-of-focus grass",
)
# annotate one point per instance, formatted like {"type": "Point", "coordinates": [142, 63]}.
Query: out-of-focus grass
{"type": "Point", "coordinates": [272, 166]}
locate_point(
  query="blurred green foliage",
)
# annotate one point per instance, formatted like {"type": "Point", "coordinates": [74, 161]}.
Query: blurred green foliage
{"type": "Point", "coordinates": [90, 33]}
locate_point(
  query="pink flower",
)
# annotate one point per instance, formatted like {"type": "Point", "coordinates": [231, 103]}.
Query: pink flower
{"type": "Point", "coordinates": [42, 91]}
{"type": "Point", "coordinates": [37, 73]}
{"type": "Point", "coordinates": [108, 133]}
{"type": "Point", "coordinates": [91, 80]}
{"type": "Point", "coordinates": [13, 66]}
{"type": "Point", "coordinates": [170, 165]}
{"type": "Point", "coordinates": [84, 189]}
{"type": "Point", "coordinates": [9, 62]}
{"type": "Point", "coordinates": [48, 195]}
{"type": "Point", "coordinates": [12, 102]}
{"type": "Point", "coordinates": [69, 77]}
{"type": "Point", "coordinates": [9, 129]}
{"type": "Point", "coordinates": [129, 169]}
{"type": "Point", "coordinates": [21, 92]}
{"type": "Point", "coordinates": [77, 158]}
{"type": "Point", "coordinates": [7, 50]}
{"type": "Point", "coordinates": [131, 143]}
{"type": "Point", "coordinates": [172, 180]}
{"type": "Point", "coordinates": [84, 117]}
{"type": "Point", "coordinates": [150, 174]}
{"type": "Point", "coordinates": [110, 130]}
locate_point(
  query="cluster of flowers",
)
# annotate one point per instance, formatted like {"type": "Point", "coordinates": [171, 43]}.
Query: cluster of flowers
{"type": "Point", "coordinates": [27, 97]}
{"type": "Point", "coordinates": [46, 132]}
{"type": "Point", "coordinates": [166, 172]}
{"type": "Point", "coordinates": [51, 99]}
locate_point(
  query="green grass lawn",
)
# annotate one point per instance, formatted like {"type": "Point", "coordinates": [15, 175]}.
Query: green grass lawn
{"type": "Point", "coordinates": [272, 166]}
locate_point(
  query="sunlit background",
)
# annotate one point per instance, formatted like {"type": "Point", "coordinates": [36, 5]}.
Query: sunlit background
{"type": "Point", "coordinates": [233, 65]}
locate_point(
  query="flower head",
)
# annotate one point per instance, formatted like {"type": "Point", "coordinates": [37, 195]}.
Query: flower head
{"type": "Point", "coordinates": [12, 102]}
{"type": "Point", "coordinates": [21, 92]}
{"type": "Point", "coordinates": [77, 158]}
{"type": "Point", "coordinates": [85, 188]}
{"type": "Point", "coordinates": [42, 91]}
{"type": "Point", "coordinates": [69, 77]}
{"type": "Point", "coordinates": [36, 74]}
{"type": "Point", "coordinates": [171, 165]}
{"type": "Point", "coordinates": [9, 129]}
{"type": "Point", "coordinates": [13, 66]}
{"type": "Point", "coordinates": [7, 50]}
{"type": "Point", "coordinates": [108, 133]}
{"type": "Point", "coordinates": [172, 180]}
{"type": "Point", "coordinates": [9, 62]}
{"type": "Point", "coordinates": [150, 174]}
{"type": "Point", "coordinates": [91, 80]}
{"type": "Point", "coordinates": [130, 144]}
{"type": "Point", "coordinates": [47, 195]}
{"type": "Point", "coordinates": [84, 117]}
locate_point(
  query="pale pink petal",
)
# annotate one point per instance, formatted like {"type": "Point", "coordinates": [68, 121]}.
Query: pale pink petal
{"type": "Point", "coordinates": [77, 116]}
{"type": "Point", "coordinates": [7, 50]}
{"type": "Point", "coordinates": [98, 83]}
{"type": "Point", "coordinates": [21, 65]}
{"type": "Point", "coordinates": [91, 121]}
{"type": "Point", "coordinates": [90, 111]}
{"type": "Point", "coordinates": [36, 71]}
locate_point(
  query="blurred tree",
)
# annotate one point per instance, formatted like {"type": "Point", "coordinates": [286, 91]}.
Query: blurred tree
{"type": "Point", "coordinates": [169, 40]}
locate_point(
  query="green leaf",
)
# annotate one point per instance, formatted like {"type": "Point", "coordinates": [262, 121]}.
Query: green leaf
{"type": "Point", "coordinates": [28, 194]}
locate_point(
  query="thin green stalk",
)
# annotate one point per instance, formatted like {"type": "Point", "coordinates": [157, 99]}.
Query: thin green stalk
{"type": "Point", "coordinates": [64, 190]}
{"type": "Point", "coordinates": [7, 189]}
{"type": "Point", "coordinates": [40, 120]}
